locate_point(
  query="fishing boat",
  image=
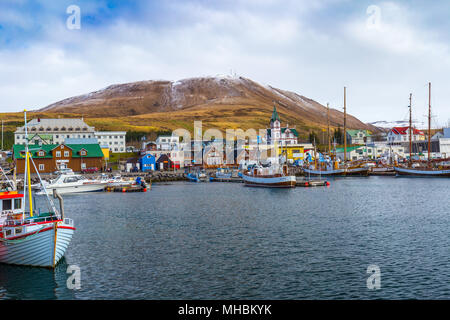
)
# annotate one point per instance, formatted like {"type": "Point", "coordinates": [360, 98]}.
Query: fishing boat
{"type": "Point", "coordinates": [272, 176]}
{"type": "Point", "coordinates": [416, 169]}
{"type": "Point", "coordinates": [72, 183]}
{"type": "Point", "coordinates": [31, 237]}
{"type": "Point", "coordinates": [221, 173]}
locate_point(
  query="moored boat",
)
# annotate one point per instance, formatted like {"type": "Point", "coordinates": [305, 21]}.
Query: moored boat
{"type": "Point", "coordinates": [272, 176]}
{"type": "Point", "coordinates": [72, 183]}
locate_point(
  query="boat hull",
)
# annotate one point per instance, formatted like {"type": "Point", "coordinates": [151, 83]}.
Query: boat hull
{"type": "Point", "coordinates": [338, 172]}
{"type": "Point", "coordinates": [270, 182]}
{"type": "Point", "coordinates": [421, 172]}
{"type": "Point", "coordinates": [75, 189]}
{"type": "Point", "coordinates": [42, 249]}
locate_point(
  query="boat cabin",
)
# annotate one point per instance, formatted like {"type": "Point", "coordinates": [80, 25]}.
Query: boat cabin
{"type": "Point", "coordinates": [10, 203]}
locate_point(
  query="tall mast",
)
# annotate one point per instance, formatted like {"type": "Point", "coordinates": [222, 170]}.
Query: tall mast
{"type": "Point", "coordinates": [429, 123]}
{"type": "Point", "coordinates": [328, 129]}
{"type": "Point", "coordinates": [410, 129]}
{"type": "Point", "coordinates": [345, 126]}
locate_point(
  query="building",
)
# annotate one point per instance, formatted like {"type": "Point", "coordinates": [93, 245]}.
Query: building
{"type": "Point", "coordinates": [53, 131]}
{"type": "Point", "coordinates": [167, 143]}
{"type": "Point", "coordinates": [164, 162]}
{"type": "Point", "coordinates": [359, 136]}
{"type": "Point", "coordinates": [294, 152]}
{"type": "Point", "coordinates": [115, 140]}
{"type": "Point", "coordinates": [56, 131]}
{"type": "Point", "coordinates": [51, 157]}
{"type": "Point", "coordinates": [401, 134]}
{"type": "Point", "coordinates": [278, 134]}
{"type": "Point", "coordinates": [147, 162]}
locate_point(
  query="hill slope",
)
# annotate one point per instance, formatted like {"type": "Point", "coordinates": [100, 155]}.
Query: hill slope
{"type": "Point", "coordinates": [219, 102]}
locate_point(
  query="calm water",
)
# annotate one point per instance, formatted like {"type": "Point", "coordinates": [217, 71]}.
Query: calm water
{"type": "Point", "coordinates": [226, 241]}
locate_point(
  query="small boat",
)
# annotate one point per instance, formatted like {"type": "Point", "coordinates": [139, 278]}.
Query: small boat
{"type": "Point", "coordinates": [72, 183]}
{"type": "Point", "coordinates": [31, 237]}
{"type": "Point", "coordinates": [193, 177]}
{"type": "Point", "coordinates": [272, 176]}
{"type": "Point", "coordinates": [221, 173]}
{"type": "Point", "coordinates": [422, 172]}
{"type": "Point", "coordinates": [115, 181]}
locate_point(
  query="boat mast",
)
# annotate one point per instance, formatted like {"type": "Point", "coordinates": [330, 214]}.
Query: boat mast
{"type": "Point", "coordinates": [429, 123]}
{"type": "Point", "coordinates": [328, 129]}
{"type": "Point", "coordinates": [345, 126]}
{"type": "Point", "coordinates": [410, 129]}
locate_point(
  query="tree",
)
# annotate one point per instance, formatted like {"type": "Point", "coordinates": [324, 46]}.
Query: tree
{"type": "Point", "coordinates": [337, 135]}
{"type": "Point", "coordinates": [313, 138]}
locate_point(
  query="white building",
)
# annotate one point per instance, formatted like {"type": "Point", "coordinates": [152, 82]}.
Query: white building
{"type": "Point", "coordinates": [56, 131]}
{"type": "Point", "coordinates": [401, 134]}
{"type": "Point", "coordinates": [167, 143]}
{"type": "Point", "coordinates": [279, 135]}
{"type": "Point", "coordinates": [115, 140]}
{"type": "Point", "coordinates": [53, 131]}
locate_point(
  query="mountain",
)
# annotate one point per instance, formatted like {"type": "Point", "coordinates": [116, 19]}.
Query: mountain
{"type": "Point", "coordinates": [402, 123]}
{"type": "Point", "coordinates": [220, 102]}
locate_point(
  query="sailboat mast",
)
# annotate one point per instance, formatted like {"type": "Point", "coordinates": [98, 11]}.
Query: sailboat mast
{"type": "Point", "coordinates": [328, 129]}
{"type": "Point", "coordinates": [429, 123]}
{"type": "Point", "coordinates": [345, 125]}
{"type": "Point", "coordinates": [410, 129]}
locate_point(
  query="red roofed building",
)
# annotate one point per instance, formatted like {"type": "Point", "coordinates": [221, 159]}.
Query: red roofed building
{"type": "Point", "coordinates": [401, 134]}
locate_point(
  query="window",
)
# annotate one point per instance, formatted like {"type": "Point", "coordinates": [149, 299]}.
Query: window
{"type": "Point", "coordinates": [83, 152]}
{"type": "Point", "coordinates": [66, 153]}
{"type": "Point", "coordinates": [7, 204]}
{"type": "Point", "coordinates": [41, 167]}
{"type": "Point", "coordinates": [56, 136]}
{"type": "Point", "coordinates": [41, 153]}
{"type": "Point", "coordinates": [17, 203]}
{"type": "Point", "coordinates": [18, 230]}
{"type": "Point", "coordinates": [8, 232]}
{"type": "Point", "coordinates": [58, 154]}
{"type": "Point", "coordinates": [83, 165]}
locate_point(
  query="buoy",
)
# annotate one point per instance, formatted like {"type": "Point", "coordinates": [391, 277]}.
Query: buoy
{"type": "Point", "coordinates": [145, 190]}
{"type": "Point", "coordinates": [327, 183]}
{"type": "Point", "coordinates": [306, 184]}
{"type": "Point", "coordinates": [123, 190]}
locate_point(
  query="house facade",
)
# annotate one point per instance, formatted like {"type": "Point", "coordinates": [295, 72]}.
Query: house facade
{"type": "Point", "coordinates": [56, 131]}
{"type": "Point", "coordinates": [359, 136]}
{"type": "Point", "coordinates": [49, 158]}
{"type": "Point", "coordinates": [280, 135]}
{"type": "Point", "coordinates": [401, 134]}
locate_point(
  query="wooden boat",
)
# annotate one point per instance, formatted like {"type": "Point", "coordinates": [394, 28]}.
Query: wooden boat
{"type": "Point", "coordinates": [422, 171]}
{"type": "Point", "coordinates": [32, 237]}
{"type": "Point", "coordinates": [272, 177]}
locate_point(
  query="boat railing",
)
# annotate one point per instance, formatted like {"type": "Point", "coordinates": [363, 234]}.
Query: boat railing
{"type": "Point", "coordinates": [14, 222]}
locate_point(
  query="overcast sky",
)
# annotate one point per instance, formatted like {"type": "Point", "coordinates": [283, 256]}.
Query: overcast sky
{"type": "Point", "coordinates": [380, 50]}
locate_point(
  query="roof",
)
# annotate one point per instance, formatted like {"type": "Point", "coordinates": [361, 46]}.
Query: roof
{"type": "Point", "coordinates": [405, 130]}
{"type": "Point", "coordinates": [354, 133]}
{"type": "Point", "coordinates": [56, 123]}
{"type": "Point", "coordinates": [349, 149]}
{"type": "Point", "coordinates": [93, 150]}
{"type": "Point", "coordinates": [294, 131]}
{"type": "Point", "coordinates": [275, 115]}
{"type": "Point", "coordinates": [80, 141]}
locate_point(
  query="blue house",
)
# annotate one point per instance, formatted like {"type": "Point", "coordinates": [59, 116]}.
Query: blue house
{"type": "Point", "coordinates": [147, 163]}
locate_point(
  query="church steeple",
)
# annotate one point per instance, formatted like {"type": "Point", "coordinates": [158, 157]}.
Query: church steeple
{"type": "Point", "coordinates": [275, 115]}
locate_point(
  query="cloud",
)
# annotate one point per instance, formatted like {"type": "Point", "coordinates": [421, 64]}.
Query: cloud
{"type": "Point", "coordinates": [311, 47]}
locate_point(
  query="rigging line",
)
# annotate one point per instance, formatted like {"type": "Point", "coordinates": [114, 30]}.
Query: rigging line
{"type": "Point", "coordinates": [45, 190]}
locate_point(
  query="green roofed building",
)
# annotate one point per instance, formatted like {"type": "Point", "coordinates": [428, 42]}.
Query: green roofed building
{"type": "Point", "coordinates": [278, 134]}
{"type": "Point", "coordinates": [48, 158]}
{"type": "Point", "coordinates": [359, 136]}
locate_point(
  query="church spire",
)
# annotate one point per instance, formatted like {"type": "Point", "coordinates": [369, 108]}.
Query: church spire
{"type": "Point", "coordinates": [275, 114]}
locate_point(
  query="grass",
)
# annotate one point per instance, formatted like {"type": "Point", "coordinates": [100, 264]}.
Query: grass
{"type": "Point", "coordinates": [115, 157]}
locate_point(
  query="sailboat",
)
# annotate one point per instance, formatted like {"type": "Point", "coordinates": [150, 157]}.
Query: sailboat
{"type": "Point", "coordinates": [334, 168]}
{"type": "Point", "coordinates": [425, 171]}
{"type": "Point", "coordinates": [32, 237]}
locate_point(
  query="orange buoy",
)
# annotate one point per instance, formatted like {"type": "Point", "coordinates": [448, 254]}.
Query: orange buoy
{"type": "Point", "coordinates": [145, 190]}
{"type": "Point", "coordinates": [327, 183]}
{"type": "Point", "coordinates": [306, 184]}
{"type": "Point", "coordinates": [124, 190]}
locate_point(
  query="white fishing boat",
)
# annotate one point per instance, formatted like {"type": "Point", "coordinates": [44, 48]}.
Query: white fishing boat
{"type": "Point", "coordinates": [272, 176]}
{"type": "Point", "coordinates": [115, 181]}
{"type": "Point", "coordinates": [31, 237]}
{"type": "Point", "coordinates": [72, 183]}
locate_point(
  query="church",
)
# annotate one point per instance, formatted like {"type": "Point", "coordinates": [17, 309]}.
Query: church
{"type": "Point", "coordinates": [280, 135]}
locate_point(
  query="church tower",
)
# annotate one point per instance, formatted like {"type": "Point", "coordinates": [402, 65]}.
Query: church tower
{"type": "Point", "coordinates": [275, 125]}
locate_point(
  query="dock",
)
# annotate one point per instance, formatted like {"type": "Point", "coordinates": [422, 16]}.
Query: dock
{"type": "Point", "coordinates": [312, 183]}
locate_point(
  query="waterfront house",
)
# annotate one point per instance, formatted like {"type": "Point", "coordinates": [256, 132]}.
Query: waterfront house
{"type": "Point", "coordinates": [359, 136]}
{"type": "Point", "coordinates": [167, 143]}
{"type": "Point", "coordinates": [398, 135]}
{"type": "Point", "coordinates": [164, 162]}
{"type": "Point", "coordinates": [147, 162]}
{"type": "Point", "coordinates": [52, 157]}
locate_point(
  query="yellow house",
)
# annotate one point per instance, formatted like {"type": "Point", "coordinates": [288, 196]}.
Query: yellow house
{"type": "Point", "coordinates": [294, 152]}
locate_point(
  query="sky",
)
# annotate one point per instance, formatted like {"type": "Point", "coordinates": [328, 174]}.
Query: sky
{"type": "Point", "coordinates": [380, 50]}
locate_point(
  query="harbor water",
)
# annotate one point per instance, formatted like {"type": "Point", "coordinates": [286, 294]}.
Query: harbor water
{"type": "Point", "coordinates": [216, 240]}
